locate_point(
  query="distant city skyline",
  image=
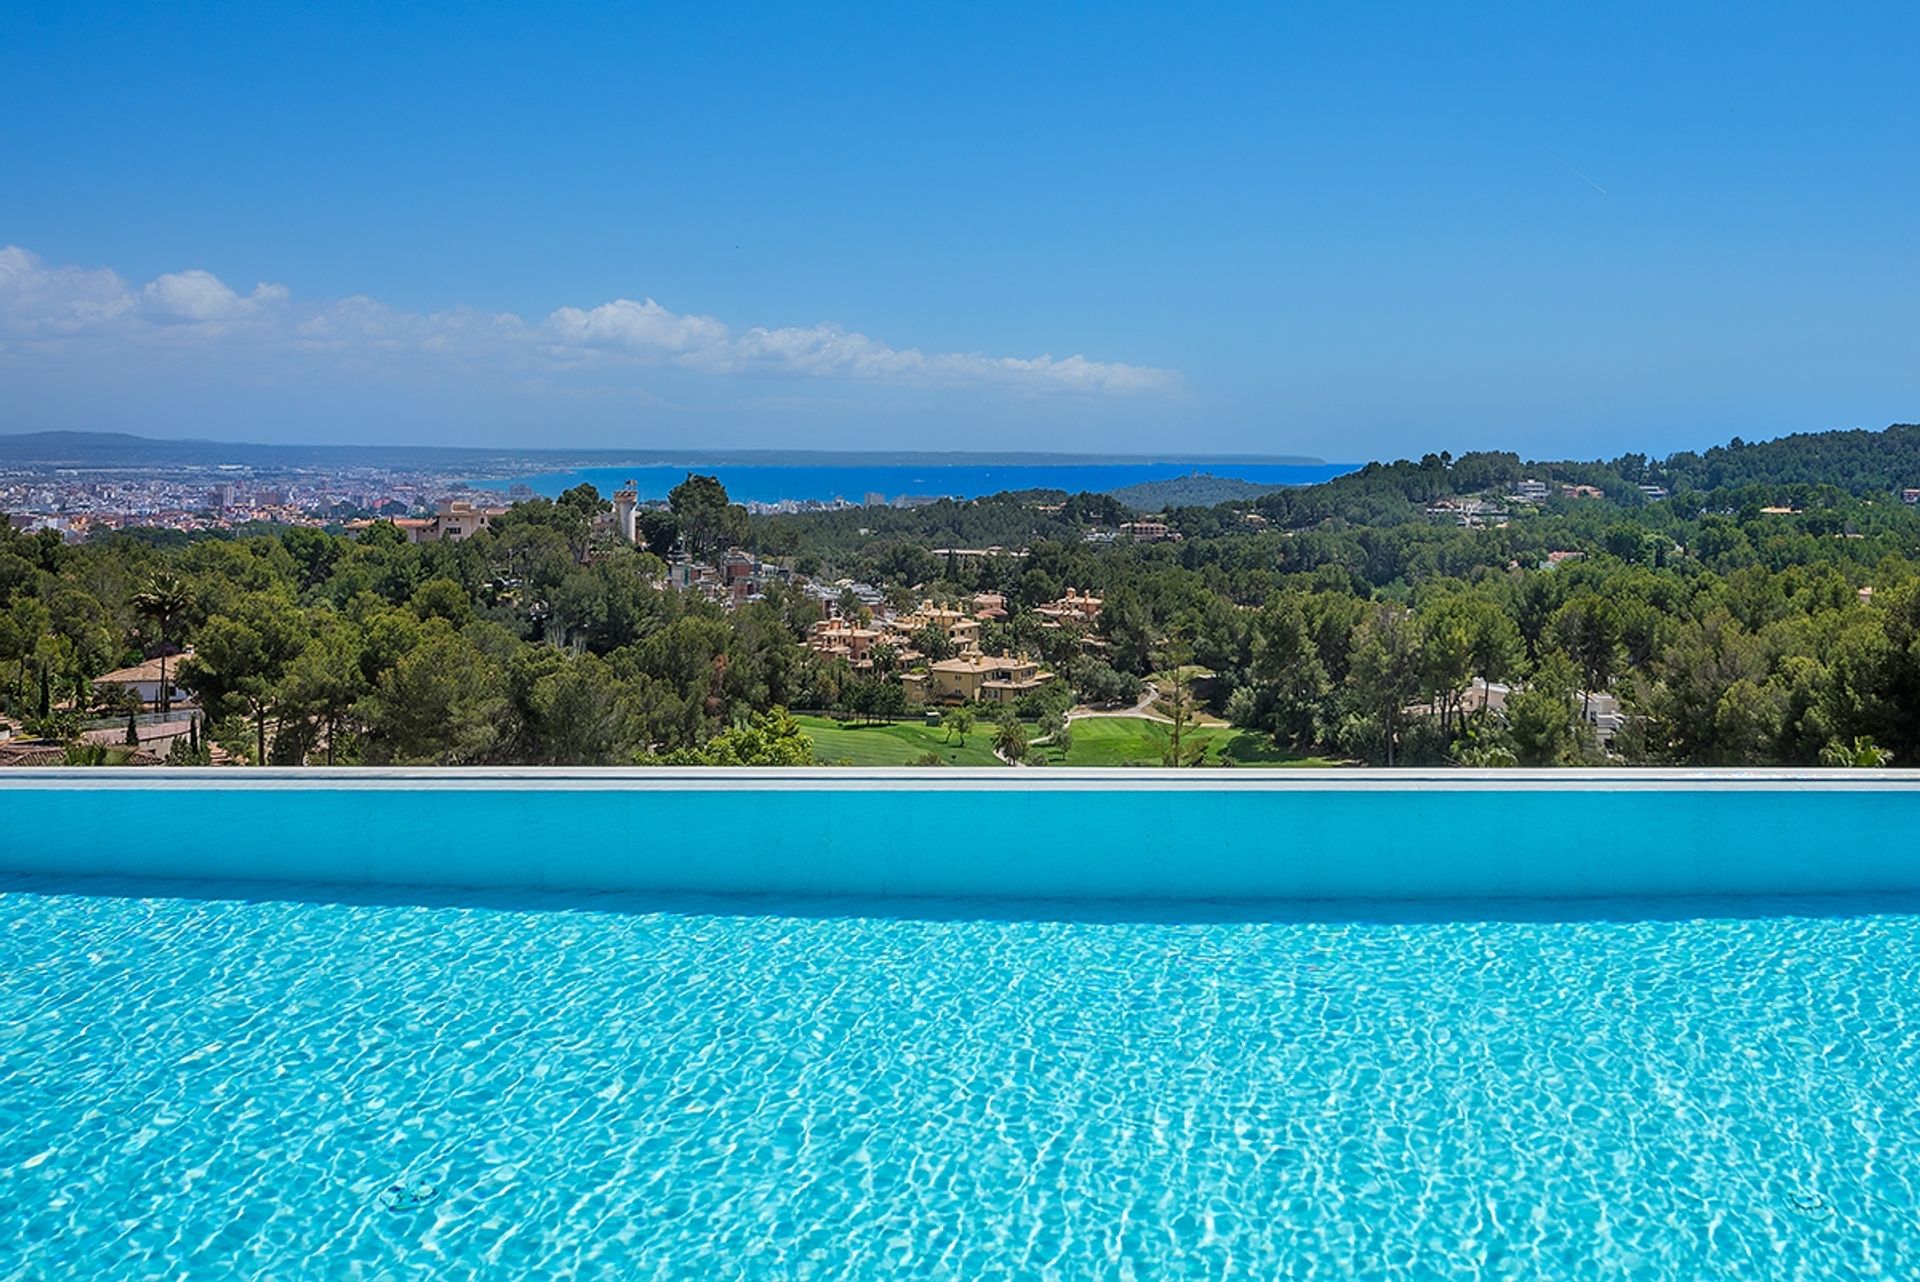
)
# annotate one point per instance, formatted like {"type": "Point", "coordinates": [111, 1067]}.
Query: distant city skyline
{"type": "Point", "coordinates": [1352, 234]}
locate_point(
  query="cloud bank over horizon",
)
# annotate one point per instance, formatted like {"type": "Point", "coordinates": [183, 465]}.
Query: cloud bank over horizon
{"type": "Point", "coordinates": [89, 318]}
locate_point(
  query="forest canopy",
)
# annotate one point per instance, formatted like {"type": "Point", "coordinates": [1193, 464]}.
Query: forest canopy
{"type": "Point", "coordinates": [1755, 603]}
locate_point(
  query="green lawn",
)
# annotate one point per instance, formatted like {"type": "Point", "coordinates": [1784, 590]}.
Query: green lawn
{"type": "Point", "coordinates": [1123, 741]}
{"type": "Point", "coordinates": [1097, 741]}
{"type": "Point", "coordinates": [898, 744]}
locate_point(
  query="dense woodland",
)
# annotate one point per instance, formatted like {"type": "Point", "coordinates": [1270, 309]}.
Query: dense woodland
{"type": "Point", "coordinates": [1766, 611]}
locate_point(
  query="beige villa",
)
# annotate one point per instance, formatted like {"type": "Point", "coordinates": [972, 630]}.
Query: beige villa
{"type": "Point", "coordinates": [845, 639]}
{"type": "Point", "coordinates": [960, 628]}
{"type": "Point", "coordinates": [1074, 607]}
{"type": "Point", "coordinates": [976, 678]}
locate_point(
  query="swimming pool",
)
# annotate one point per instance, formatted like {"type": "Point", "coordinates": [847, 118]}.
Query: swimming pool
{"type": "Point", "coordinates": [282, 1080]}
{"type": "Point", "coordinates": [1145, 835]}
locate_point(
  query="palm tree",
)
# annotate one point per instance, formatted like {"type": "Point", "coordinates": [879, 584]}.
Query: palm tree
{"type": "Point", "coordinates": [1863, 753]}
{"type": "Point", "coordinates": [1010, 740]}
{"type": "Point", "coordinates": [165, 598]}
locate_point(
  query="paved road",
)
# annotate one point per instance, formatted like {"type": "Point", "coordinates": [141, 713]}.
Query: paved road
{"type": "Point", "coordinates": [1143, 707]}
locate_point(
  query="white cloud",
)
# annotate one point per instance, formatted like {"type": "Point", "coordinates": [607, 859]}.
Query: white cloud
{"type": "Point", "coordinates": [37, 301]}
{"type": "Point", "coordinates": [201, 296]}
{"type": "Point", "coordinates": [51, 308]}
{"type": "Point", "coordinates": [640, 329]}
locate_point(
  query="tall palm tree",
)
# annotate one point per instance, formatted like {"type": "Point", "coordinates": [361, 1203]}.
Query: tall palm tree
{"type": "Point", "coordinates": [165, 598]}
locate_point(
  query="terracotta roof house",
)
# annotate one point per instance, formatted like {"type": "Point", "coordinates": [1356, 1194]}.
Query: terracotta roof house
{"type": "Point", "coordinates": [143, 678]}
{"type": "Point", "coordinates": [984, 678]}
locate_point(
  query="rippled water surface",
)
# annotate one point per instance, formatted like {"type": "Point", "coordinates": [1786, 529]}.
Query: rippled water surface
{"type": "Point", "coordinates": [255, 1088]}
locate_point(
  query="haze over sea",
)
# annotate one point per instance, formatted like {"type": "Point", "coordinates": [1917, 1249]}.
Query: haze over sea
{"type": "Point", "coordinates": [825, 481]}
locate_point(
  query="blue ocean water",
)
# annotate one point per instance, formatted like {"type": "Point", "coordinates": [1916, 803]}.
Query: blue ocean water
{"type": "Point", "coordinates": [769, 483]}
{"type": "Point", "coordinates": [244, 1086]}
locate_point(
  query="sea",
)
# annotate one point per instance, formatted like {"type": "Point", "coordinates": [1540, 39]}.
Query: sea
{"type": "Point", "coordinates": [858, 483]}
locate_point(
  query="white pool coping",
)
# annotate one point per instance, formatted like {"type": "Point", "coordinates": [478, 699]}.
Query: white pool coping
{"type": "Point", "coordinates": [948, 779]}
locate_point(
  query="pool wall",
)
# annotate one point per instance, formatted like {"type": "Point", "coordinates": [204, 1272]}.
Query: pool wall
{"type": "Point", "coordinates": [1125, 834]}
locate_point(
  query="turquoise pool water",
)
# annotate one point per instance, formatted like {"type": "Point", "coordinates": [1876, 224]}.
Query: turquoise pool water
{"type": "Point", "coordinates": [1149, 836]}
{"type": "Point", "coordinates": [229, 1086]}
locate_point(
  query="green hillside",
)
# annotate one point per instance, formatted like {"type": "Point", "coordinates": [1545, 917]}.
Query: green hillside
{"type": "Point", "coordinates": [1201, 489]}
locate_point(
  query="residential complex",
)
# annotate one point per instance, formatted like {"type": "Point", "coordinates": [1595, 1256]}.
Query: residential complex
{"type": "Point", "coordinates": [966, 674]}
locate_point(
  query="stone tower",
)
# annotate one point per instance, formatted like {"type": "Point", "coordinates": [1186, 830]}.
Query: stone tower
{"type": "Point", "coordinates": [626, 500]}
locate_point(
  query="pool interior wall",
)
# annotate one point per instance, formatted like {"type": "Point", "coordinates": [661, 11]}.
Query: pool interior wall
{"type": "Point", "coordinates": [1142, 836]}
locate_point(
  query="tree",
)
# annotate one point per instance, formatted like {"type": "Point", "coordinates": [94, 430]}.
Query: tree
{"type": "Point", "coordinates": [22, 625]}
{"type": "Point", "coordinates": [870, 699]}
{"type": "Point", "coordinates": [1495, 646]}
{"type": "Point", "coordinates": [1289, 682]}
{"type": "Point", "coordinates": [1384, 671]}
{"type": "Point", "coordinates": [1098, 682]}
{"type": "Point", "coordinates": [327, 680]}
{"type": "Point", "coordinates": [1587, 627]}
{"type": "Point", "coordinates": [1010, 737]}
{"type": "Point", "coordinates": [771, 738]}
{"type": "Point", "coordinates": [1862, 753]}
{"type": "Point", "coordinates": [1709, 704]}
{"type": "Point", "coordinates": [186, 750]}
{"type": "Point", "coordinates": [443, 703]}
{"type": "Point", "coordinates": [891, 701]}
{"type": "Point", "coordinates": [241, 659]}
{"type": "Point", "coordinates": [1446, 658]}
{"type": "Point", "coordinates": [1540, 718]}
{"type": "Point", "coordinates": [443, 598]}
{"type": "Point", "coordinates": [1127, 626]}
{"type": "Point", "coordinates": [707, 519]}
{"type": "Point", "coordinates": [315, 552]}
{"type": "Point", "coordinates": [85, 753]}
{"type": "Point", "coordinates": [165, 599]}
{"type": "Point", "coordinates": [87, 633]}
{"type": "Point", "coordinates": [956, 722]}
{"type": "Point", "coordinates": [1178, 746]}
{"type": "Point", "coordinates": [583, 498]}
{"type": "Point", "coordinates": [931, 640]}
{"type": "Point", "coordinates": [658, 530]}
{"type": "Point", "coordinates": [579, 715]}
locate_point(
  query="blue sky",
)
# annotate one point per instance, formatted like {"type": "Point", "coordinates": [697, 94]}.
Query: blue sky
{"type": "Point", "coordinates": [1349, 231]}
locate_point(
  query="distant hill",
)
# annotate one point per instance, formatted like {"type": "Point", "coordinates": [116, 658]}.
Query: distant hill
{"type": "Point", "coordinates": [117, 449]}
{"type": "Point", "coordinates": [1864, 464]}
{"type": "Point", "coordinates": [120, 449]}
{"type": "Point", "coordinates": [1201, 489]}
{"type": "Point", "coordinates": [1861, 462]}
